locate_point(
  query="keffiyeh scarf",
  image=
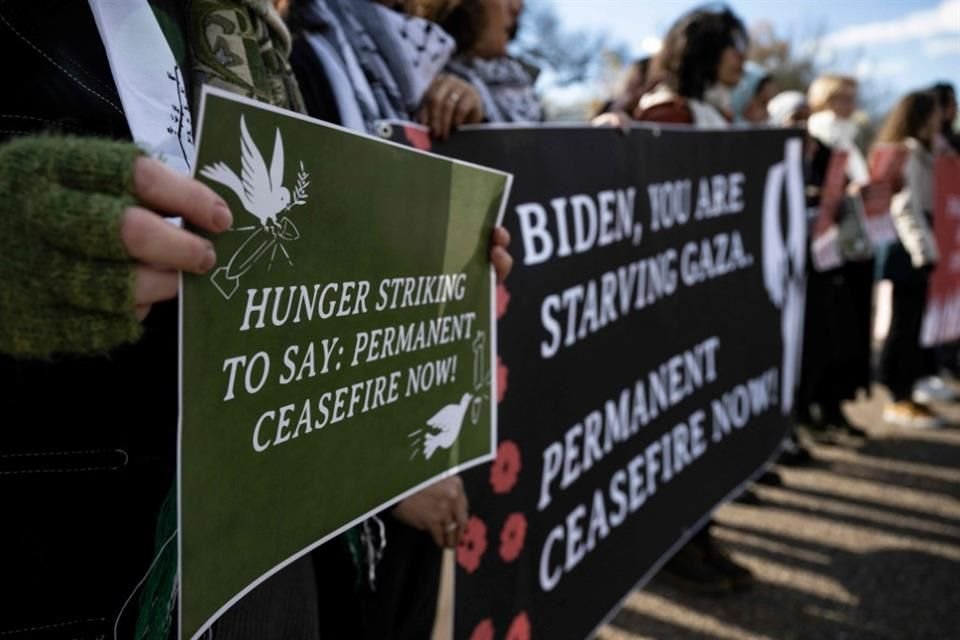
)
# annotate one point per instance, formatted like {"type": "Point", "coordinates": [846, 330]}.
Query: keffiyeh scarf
{"type": "Point", "coordinates": [399, 55]}
{"type": "Point", "coordinates": [505, 86]}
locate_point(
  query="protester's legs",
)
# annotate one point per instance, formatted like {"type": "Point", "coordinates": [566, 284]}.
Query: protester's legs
{"type": "Point", "coordinates": [816, 345]}
{"type": "Point", "coordinates": [340, 587]}
{"type": "Point", "coordinates": [284, 607]}
{"type": "Point", "coordinates": [404, 602]}
{"type": "Point", "coordinates": [901, 361]}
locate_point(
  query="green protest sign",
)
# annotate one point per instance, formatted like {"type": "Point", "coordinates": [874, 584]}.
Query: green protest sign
{"type": "Point", "coordinates": [339, 357]}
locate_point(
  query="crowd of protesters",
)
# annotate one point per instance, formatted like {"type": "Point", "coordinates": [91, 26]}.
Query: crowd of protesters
{"type": "Point", "coordinates": [88, 281]}
{"type": "Point", "coordinates": [702, 77]}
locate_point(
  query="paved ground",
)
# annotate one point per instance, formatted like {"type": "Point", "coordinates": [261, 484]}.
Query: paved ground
{"type": "Point", "coordinates": [864, 544]}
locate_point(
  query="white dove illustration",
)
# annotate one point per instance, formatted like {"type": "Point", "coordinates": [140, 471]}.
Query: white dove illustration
{"type": "Point", "coordinates": [261, 192]}
{"type": "Point", "coordinates": [448, 422]}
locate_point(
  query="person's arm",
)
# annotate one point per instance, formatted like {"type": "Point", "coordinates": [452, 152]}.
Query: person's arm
{"type": "Point", "coordinates": [84, 249]}
{"type": "Point", "coordinates": [448, 103]}
{"type": "Point", "coordinates": [502, 261]}
{"type": "Point", "coordinates": [909, 218]}
{"type": "Point", "coordinates": [440, 510]}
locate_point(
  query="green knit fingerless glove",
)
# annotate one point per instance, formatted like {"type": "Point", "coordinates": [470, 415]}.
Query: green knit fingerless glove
{"type": "Point", "coordinates": [66, 282]}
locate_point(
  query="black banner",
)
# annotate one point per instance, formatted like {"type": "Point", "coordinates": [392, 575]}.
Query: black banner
{"type": "Point", "coordinates": [643, 372]}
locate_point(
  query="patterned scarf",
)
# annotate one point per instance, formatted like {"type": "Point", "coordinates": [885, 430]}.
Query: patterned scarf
{"type": "Point", "coordinates": [505, 86]}
{"type": "Point", "coordinates": [399, 54]}
{"type": "Point", "coordinates": [319, 24]}
{"type": "Point", "coordinates": [225, 32]}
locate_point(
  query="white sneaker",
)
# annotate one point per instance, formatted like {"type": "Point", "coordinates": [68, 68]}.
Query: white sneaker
{"type": "Point", "coordinates": [911, 414]}
{"type": "Point", "coordinates": [934, 389]}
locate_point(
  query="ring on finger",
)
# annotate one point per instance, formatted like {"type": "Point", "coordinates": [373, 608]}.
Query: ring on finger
{"type": "Point", "coordinates": [451, 527]}
{"type": "Point", "coordinates": [454, 97]}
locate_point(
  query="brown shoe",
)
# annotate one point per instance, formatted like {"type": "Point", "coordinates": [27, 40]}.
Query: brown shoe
{"type": "Point", "coordinates": [907, 413]}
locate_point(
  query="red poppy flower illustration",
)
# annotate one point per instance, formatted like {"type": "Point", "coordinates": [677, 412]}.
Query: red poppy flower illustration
{"type": "Point", "coordinates": [483, 631]}
{"type": "Point", "coordinates": [503, 300]}
{"type": "Point", "coordinates": [519, 628]}
{"type": "Point", "coordinates": [506, 467]}
{"type": "Point", "coordinates": [473, 545]}
{"type": "Point", "coordinates": [512, 536]}
{"type": "Point", "coordinates": [502, 374]}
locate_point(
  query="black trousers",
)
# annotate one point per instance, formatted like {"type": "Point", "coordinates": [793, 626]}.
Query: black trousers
{"type": "Point", "coordinates": [836, 338]}
{"type": "Point", "coordinates": [403, 602]}
{"type": "Point", "coordinates": [902, 361]}
{"type": "Point", "coordinates": [284, 607]}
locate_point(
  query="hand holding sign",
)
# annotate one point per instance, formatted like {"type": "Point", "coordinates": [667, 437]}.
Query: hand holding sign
{"type": "Point", "coordinates": [502, 262]}
{"type": "Point", "coordinates": [441, 510]}
{"type": "Point", "coordinates": [162, 249]}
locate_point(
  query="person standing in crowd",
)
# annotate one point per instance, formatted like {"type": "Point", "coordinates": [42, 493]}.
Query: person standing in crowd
{"type": "Point", "coordinates": [363, 61]}
{"type": "Point", "coordinates": [360, 63]}
{"type": "Point", "coordinates": [752, 94]}
{"type": "Point", "coordinates": [89, 273]}
{"type": "Point", "coordinates": [481, 30]}
{"type": "Point", "coordinates": [833, 101]}
{"type": "Point", "coordinates": [700, 63]}
{"type": "Point", "coordinates": [944, 359]}
{"type": "Point", "coordinates": [948, 139]}
{"type": "Point", "coordinates": [912, 125]}
{"type": "Point", "coordinates": [836, 328]}
{"type": "Point", "coordinates": [693, 75]}
{"type": "Point", "coordinates": [616, 111]}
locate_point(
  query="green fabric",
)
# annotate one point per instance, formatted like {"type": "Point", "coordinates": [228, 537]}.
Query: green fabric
{"type": "Point", "coordinates": [353, 540]}
{"type": "Point", "coordinates": [169, 15]}
{"type": "Point", "coordinates": [159, 590]}
{"type": "Point", "coordinates": [67, 281]}
{"type": "Point", "coordinates": [242, 46]}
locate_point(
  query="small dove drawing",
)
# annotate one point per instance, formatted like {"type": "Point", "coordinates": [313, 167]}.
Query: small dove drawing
{"type": "Point", "coordinates": [446, 423]}
{"type": "Point", "coordinates": [261, 191]}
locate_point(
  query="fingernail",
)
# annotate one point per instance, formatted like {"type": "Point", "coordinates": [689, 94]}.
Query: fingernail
{"type": "Point", "coordinates": [209, 259]}
{"type": "Point", "coordinates": [222, 218]}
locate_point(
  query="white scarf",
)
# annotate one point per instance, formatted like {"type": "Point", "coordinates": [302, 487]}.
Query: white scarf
{"type": "Point", "coordinates": [839, 133]}
{"type": "Point", "coordinates": [149, 81]}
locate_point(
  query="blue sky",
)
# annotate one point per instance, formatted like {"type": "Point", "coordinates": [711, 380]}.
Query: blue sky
{"type": "Point", "coordinates": [895, 45]}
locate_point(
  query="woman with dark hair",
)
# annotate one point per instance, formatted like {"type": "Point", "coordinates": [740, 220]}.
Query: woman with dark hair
{"type": "Point", "coordinates": [948, 139]}
{"type": "Point", "coordinates": [482, 29]}
{"type": "Point", "coordinates": [911, 129]}
{"type": "Point", "coordinates": [700, 63]}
